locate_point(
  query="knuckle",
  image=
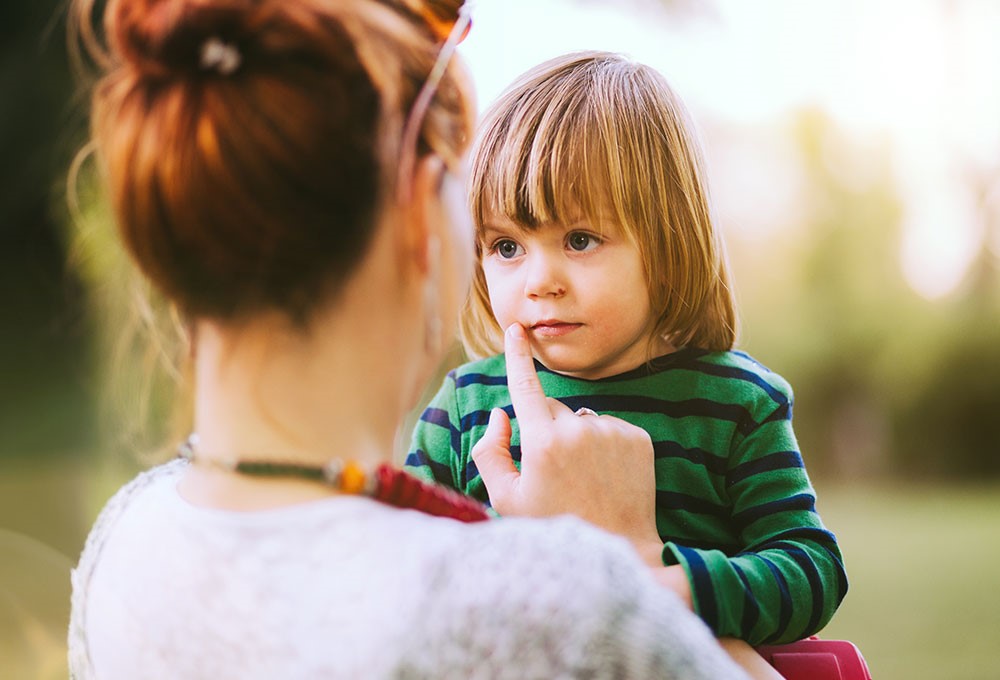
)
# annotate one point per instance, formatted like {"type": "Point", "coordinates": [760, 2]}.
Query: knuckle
{"type": "Point", "coordinates": [477, 449]}
{"type": "Point", "coordinates": [524, 383]}
{"type": "Point", "coordinates": [484, 457]}
{"type": "Point", "coordinates": [500, 505]}
{"type": "Point", "coordinates": [543, 444]}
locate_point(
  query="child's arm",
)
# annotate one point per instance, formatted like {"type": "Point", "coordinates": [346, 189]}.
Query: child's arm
{"type": "Point", "coordinates": [433, 454]}
{"type": "Point", "coordinates": [674, 579]}
{"type": "Point", "coordinates": [788, 578]}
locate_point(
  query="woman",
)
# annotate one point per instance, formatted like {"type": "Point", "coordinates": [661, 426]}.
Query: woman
{"type": "Point", "coordinates": [282, 172]}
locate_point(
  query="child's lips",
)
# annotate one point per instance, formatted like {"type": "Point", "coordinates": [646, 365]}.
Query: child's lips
{"type": "Point", "coordinates": [553, 328]}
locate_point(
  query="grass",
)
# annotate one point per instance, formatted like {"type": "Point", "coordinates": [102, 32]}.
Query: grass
{"type": "Point", "coordinates": [923, 563]}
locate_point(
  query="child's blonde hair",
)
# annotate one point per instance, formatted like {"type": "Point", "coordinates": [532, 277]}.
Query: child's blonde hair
{"type": "Point", "coordinates": [596, 136]}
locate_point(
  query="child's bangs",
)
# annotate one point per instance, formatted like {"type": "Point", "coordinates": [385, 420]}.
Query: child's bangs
{"type": "Point", "coordinates": [544, 163]}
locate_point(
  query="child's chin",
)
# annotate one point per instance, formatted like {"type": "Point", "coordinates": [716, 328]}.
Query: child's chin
{"type": "Point", "coordinates": [565, 366]}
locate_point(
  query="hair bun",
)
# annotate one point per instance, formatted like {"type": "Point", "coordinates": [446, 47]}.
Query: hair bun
{"type": "Point", "coordinates": [160, 37]}
{"type": "Point", "coordinates": [441, 15]}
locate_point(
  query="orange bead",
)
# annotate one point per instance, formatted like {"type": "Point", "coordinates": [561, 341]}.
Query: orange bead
{"type": "Point", "coordinates": [352, 478]}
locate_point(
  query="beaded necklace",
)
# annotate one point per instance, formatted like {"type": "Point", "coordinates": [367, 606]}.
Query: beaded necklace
{"type": "Point", "coordinates": [382, 482]}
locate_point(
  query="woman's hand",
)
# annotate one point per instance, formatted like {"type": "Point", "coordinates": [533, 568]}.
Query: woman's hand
{"type": "Point", "coordinates": [597, 467]}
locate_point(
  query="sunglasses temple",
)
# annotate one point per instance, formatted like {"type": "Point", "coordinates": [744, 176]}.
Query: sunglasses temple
{"type": "Point", "coordinates": [414, 121]}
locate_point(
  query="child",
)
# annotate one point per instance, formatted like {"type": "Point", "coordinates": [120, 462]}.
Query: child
{"type": "Point", "coordinates": [594, 233]}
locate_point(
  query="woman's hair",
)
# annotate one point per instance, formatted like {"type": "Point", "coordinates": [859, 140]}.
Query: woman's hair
{"type": "Point", "coordinates": [595, 136]}
{"type": "Point", "coordinates": [250, 147]}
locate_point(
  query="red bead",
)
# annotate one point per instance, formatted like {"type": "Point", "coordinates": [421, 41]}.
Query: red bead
{"type": "Point", "coordinates": [402, 490]}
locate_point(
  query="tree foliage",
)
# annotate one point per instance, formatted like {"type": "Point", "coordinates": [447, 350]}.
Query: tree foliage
{"type": "Point", "coordinates": [886, 382]}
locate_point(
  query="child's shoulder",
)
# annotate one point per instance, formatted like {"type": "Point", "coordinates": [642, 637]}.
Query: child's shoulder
{"type": "Point", "coordinates": [736, 359]}
{"type": "Point", "coordinates": [742, 369]}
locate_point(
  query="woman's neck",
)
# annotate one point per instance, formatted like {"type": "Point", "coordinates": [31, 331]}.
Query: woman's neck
{"type": "Point", "coordinates": [264, 393]}
{"type": "Point", "coordinates": [267, 392]}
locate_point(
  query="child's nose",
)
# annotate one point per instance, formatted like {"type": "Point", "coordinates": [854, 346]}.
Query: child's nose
{"type": "Point", "coordinates": [545, 277]}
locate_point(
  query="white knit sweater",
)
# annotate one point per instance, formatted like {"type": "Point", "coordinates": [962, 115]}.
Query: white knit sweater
{"type": "Point", "coordinates": [351, 588]}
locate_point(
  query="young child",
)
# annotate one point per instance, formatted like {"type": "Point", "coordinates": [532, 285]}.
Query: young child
{"type": "Point", "coordinates": [594, 233]}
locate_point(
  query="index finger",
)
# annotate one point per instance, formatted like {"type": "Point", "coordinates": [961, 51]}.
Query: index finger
{"type": "Point", "coordinates": [526, 393]}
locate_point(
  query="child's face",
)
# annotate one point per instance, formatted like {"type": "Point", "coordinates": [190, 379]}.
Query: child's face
{"type": "Point", "coordinates": [579, 292]}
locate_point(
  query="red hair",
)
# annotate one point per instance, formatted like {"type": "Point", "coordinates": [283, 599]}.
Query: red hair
{"type": "Point", "coordinates": [257, 187]}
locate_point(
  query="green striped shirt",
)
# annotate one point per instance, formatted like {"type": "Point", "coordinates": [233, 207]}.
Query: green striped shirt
{"type": "Point", "coordinates": [734, 504]}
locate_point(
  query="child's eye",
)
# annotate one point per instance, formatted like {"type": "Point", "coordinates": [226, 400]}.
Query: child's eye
{"type": "Point", "coordinates": [581, 241]}
{"type": "Point", "coordinates": [507, 248]}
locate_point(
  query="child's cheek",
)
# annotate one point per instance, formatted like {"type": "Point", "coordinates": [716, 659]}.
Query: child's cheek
{"type": "Point", "coordinates": [500, 302]}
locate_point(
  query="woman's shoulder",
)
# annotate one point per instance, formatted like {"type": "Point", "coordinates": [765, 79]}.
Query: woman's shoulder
{"type": "Point", "coordinates": [113, 510]}
{"type": "Point", "coordinates": [118, 504]}
{"type": "Point", "coordinates": [556, 598]}
{"type": "Point", "coordinates": [545, 543]}
{"type": "Point", "coordinates": [505, 598]}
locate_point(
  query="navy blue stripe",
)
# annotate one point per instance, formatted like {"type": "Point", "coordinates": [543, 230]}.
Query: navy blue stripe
{"type": "Point", "coordinates": [456, 453]}
{"type": "Point", "coordinates": [440, 418]}
{"type": "Point", "coordinates": [710, 461]}
{"type": "Point", "coordinates": [782, 460]}
{"type": "Point", "coordinates": [471, 472]}
{"type": "Point", "coordinates": [436, 416]}
{"type": "Point", "coordinates": [701, 583]}
{"type": "Point", "coordinates": [744, 375]}
{"type": "Point", "coordinates": [480, 379]}
{"type": "Point", "coordinates": [785, 610]}
{"type": "Point", "coordinates": [802, 501]}
{"type": "Point", "coordinates": [751, 610]}
{"type": "Point", "coordinates": [780, 414]}
{"type": "Point", "coordinates": [842, 583]}
{"type": "Point", "coordinates": [816, 535]}
{"type": "Point", "coordinates": [701, 544]}
{"type": "Point", "coordinates": [440, 471]}
{"type": "Point", "coordinates": [603, 403]}
{"type": "Point", "coordinates": [734, 413]}
{"type": "Point", "coordinates": [481, 418]}
{"type": "Point", "coordinates": [672, 500]}
{"type": "Point", "coordinates": [812, 574]}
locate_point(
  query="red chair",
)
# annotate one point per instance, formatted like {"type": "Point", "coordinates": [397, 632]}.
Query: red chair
{"type": "Point", "coordinates": [815, 659]}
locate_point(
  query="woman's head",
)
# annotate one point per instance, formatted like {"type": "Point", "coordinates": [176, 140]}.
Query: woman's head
{"type": "Point", "coordinates": [251, 147]}
{"type": "Point", "coordinates": [597, 138]}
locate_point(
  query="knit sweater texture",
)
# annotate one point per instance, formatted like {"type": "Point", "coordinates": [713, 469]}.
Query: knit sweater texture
{"type": "Point", "coordinates": [347, 587]}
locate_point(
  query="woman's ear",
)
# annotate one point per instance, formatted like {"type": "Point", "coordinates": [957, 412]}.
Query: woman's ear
{"type": "Point", "coordinates": [424, 214]}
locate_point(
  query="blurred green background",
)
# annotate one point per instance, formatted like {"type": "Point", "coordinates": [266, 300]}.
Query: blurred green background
{"type": "Point", "coordinates": [895, 357]}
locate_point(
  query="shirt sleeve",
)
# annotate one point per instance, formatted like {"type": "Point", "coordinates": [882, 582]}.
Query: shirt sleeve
{"type": "Point", "coordinates": [789, 578]}
{"type": "Point", "coordinates": [435, 450]}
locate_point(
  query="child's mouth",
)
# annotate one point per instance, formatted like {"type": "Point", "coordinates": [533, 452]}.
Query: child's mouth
{"type": "Point", "coordinates": [553, 329]}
